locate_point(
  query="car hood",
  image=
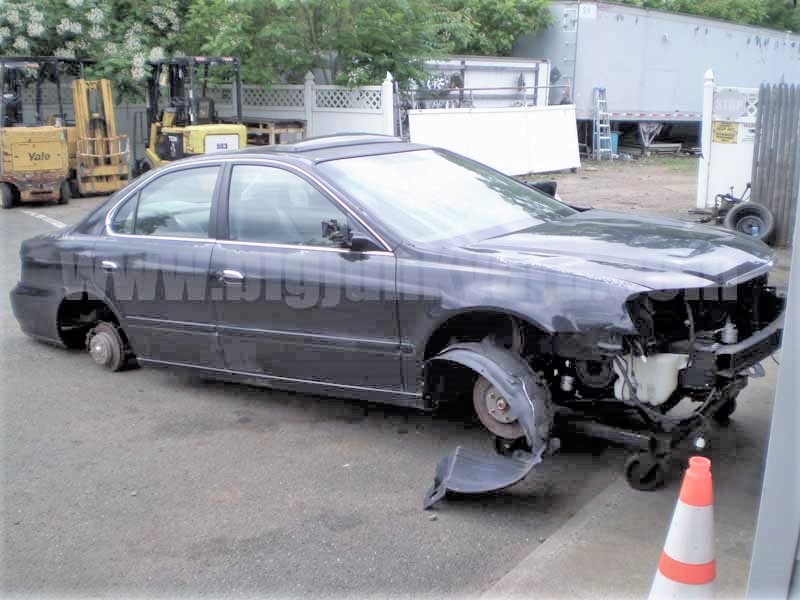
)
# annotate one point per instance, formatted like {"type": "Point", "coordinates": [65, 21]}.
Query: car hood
{"type": "Point", "coordinates": [652, 252]}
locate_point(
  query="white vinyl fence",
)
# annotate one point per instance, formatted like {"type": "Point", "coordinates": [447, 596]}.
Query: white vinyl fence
{"type": "Point", "coordinates": [513, 140]}
{"type": "Point", "coordinates": [325, 109]}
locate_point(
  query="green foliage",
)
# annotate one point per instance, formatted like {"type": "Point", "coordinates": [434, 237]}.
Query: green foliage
{"type": "Point", "coordinates": [350, 42]}
{"type": "Point", "coordinates": [776, 14]}
{"type": "Point", "coordinates": [354, 41]}
{"type": "Point", "coordinates": [493, 25]}
{"type": "Point", "coordinates": [121, 35]}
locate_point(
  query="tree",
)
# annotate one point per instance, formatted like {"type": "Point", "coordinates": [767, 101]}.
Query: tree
{"type": "Point", "coordinates": [776, 14]}
{"type": "Point", "coordinates": [348, 41]}
{"type": "Point", "coordinates": [493, 25]}
{"type": "Point", "coordinates": [351, 42]}
{"type": "Point", "coordinates": [122, 35]}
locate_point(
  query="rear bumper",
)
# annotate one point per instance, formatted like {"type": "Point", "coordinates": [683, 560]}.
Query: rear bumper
{"type": "Point", "coordinates": [37, 186]}
{"type": "Point", "coordinates": [36, 312]}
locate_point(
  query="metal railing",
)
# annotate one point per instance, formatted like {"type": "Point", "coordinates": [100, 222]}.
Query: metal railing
{"type": "Point", "coordinates": [458, 97]}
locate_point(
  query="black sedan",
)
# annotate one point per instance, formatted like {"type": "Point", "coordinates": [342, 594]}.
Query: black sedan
{"type": "Point", "coordinates": [366, 267]}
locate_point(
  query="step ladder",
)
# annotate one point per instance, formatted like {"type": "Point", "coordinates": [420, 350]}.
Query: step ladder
{"type": "Point", "coordinates": [601, 126]}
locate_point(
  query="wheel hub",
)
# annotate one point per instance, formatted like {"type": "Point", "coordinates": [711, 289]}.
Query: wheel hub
{"type": "Point", "coordinates": [494, 411]}
{"type": "Point", "coordinates": [750, 225]}
{"type": "Point", "coordinates": [101, 348]}
{"type": "Point", "coordinates": [497, 406]}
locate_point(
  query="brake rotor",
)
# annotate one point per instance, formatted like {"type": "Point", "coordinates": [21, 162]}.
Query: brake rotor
{"type": "Point", "coordinates": [494, 411]}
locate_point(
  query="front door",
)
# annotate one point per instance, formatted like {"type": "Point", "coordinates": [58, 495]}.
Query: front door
{"type": "Point", "coordinates": [295, 304]}
{"type": "Point", "coordinates": [153, 266]}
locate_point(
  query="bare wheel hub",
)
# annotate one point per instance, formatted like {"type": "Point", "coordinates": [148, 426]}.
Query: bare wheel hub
{"type": "Point", "coordinates": [101, 348]}
{"type": "Point", "coordinates": [106, 347]}
{"type": "Point", "coordinates": [494, 411]}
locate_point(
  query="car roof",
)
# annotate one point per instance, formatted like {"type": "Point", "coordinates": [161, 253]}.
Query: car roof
{"type": "Point", "coordinates": [331, 147]}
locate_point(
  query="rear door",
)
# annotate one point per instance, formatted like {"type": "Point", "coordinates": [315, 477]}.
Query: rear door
{"type": "Point", "coordinates": [296, 305]}
{"type": "Point", "coordinates": [153, 266]}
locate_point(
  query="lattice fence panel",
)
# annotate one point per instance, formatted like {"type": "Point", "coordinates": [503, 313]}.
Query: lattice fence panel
{"type": "Point", "coordinates": [220, 95]}
{"type": "Point", "coordinates": [363, 99]}
{"type": "Point", "coordinates": [736, 104]}
{"type": "Point", "coordinates": [49, 94]}
{"type": "Point", "coordinates": [289, 97]}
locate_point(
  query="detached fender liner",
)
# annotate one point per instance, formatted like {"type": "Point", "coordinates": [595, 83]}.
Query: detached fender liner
{"type": "Point", "coordinates": [469, 472]}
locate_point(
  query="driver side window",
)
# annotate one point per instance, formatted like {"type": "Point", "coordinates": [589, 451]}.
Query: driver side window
{"type": "Point", "coordinates": [271, 205]}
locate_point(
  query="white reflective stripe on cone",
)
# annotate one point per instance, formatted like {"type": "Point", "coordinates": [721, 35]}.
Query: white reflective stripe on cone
{"type": "Point", "coordinates": [664, 589]}
{"type": "Point", "coordinates": [691, 534]}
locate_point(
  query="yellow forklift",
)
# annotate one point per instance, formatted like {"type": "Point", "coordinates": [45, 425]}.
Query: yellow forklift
{"type": "Point", "coordinates": [182, 119]}
{"type": "Point", "coordinates": [51, 148]}
{"type": "Point", "coordinates": [34, 145]}
{"type": "Point", "coordinates": [101, 158]}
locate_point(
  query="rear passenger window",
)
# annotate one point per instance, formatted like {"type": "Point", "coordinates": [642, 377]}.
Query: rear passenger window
{"type": "Point", "coordinates": [176, 204]}
{"type": "Point", "coordinates": [271, 205]}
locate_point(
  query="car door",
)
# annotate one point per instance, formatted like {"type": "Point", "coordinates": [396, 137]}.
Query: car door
{"type": "Point", "coordinates": [152, 263]}
{"type": "Point", "coordinates": [297, 305]}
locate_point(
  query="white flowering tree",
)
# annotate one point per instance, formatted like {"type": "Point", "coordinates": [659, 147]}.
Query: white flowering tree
{"type": "Point", "coordinates": [121, 35]}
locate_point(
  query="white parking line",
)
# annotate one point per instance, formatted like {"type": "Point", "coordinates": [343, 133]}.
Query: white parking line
{"type": "Point", "coordinates": [49, 220]}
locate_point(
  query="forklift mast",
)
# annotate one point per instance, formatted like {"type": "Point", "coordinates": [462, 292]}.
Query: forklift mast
{"type": "Point", "coordinates": [187, 88]}
{"type": "Point", "coordinates": [18, 72]}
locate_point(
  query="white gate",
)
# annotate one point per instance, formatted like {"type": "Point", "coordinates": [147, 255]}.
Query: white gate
{"type": "Point", "coordinates": [728, 137]}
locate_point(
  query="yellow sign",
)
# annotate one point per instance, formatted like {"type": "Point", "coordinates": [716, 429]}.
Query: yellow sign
{"type": "Point", "coordinates": [724, 132]}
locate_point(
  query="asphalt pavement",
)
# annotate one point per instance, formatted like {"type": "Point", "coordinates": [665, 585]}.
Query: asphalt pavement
{"type": "Point", "coordinates": [146, 482]}
{"type": "Point", "coordinates": [150, 483]}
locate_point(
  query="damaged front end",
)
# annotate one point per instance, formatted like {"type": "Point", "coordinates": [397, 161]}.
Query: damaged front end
{"type": "Point", "coordinates": [692, 352]}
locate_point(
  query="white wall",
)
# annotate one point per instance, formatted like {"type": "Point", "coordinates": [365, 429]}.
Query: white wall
{"type": "Point", "coordinates": [513, 140]}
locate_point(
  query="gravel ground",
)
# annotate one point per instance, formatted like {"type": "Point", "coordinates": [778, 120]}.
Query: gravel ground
{"type": "Point", "coordinates": [664, 186]}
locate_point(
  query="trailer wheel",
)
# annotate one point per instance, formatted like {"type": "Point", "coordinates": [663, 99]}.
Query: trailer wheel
{"type": "Point", "coordinates": [752, 219]}
{"type": "Point", "coordinates": [65, 194]}
{"type": "Point", "coordinates": [6, 195]}
{"type": "Point", "coordinates": [646, 472]}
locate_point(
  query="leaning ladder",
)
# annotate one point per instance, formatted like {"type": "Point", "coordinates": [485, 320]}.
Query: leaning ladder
{"type": "Point", "coordinates": [601, 126]}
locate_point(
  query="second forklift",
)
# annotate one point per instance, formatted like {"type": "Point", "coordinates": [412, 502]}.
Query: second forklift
{"type": "Point", "coordinates": [182, 118]}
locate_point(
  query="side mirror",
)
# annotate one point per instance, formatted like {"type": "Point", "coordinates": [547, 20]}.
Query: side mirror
{"type": "Point", "coordinates": [361, 243]}
{"type": "Point", "coordinates": [546, 187]}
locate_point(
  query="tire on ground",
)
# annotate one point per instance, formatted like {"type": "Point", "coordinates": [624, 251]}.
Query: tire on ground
{"type": "Point", "coordinates": [751, 213]}
{"type": "Point", "coordinates": [6, 195]}
{"type": "Point", "coordinates": [65, 192]}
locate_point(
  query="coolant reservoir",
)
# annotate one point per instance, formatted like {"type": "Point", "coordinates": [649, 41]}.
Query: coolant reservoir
{"type": "Point", "coordinates": [655, 377]}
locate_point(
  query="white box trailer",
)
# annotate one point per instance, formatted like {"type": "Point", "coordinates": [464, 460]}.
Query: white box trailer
{"type": "Point", "coordinates": [652, 62]}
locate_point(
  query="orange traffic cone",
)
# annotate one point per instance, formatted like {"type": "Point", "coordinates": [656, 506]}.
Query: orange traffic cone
{"type": "Point", "coordinates": [687, 568]}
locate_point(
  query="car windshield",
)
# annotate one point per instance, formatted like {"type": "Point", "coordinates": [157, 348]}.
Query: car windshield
{"type": "Point", "coordinates": [434, 195]}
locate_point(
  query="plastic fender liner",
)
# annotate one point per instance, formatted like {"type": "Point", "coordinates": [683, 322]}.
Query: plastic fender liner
{"type": "Point", "coordinates": [469, 472]}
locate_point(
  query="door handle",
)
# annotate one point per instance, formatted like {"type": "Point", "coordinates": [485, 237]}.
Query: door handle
{"type": "Point", "coordinates": [108, 265]}
{"type": "Point", "coordinates": [231, 276]}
